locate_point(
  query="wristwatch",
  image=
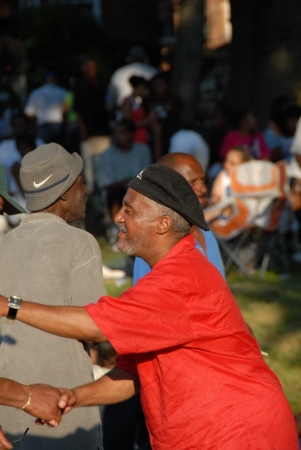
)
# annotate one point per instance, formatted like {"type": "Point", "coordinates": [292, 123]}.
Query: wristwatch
{"type": "Point", "coordinates": [14, 303]}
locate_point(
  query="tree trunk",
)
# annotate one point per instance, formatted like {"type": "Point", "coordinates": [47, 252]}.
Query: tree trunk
{"type": "Point", "coordinates": [188, 55]}
{"type": "Point", "coordinates": [242, 53]}
{"type": "Point", "coordinates": [265, 53]}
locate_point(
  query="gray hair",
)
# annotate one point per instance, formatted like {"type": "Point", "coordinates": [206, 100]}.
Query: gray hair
{"type": "Point", "coordinates": [180, 226]}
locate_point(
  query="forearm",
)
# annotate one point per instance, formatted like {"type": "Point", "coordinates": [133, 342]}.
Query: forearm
{"type": "Point", "coordinates": [211, 215]}
{"type": "Point", "coordinates": [13, 393]}
{"type": "Point", "coordinates": [114, 387]}
{"type": "Point", "coordinates": [216, 191]}
{"type": "Point", "coordinates": [66, 321]}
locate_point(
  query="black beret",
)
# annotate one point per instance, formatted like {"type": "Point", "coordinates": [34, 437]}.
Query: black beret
{"type": "Point", "coordinates": [167, 187]}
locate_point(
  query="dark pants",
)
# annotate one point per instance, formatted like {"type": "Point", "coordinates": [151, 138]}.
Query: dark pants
{"type": "Point", "coordinates": [124, 425]}
{"type": "Point", "coordinates": [298, 215]}
{"type": "Point", "coordinates": [72, 137]}
{"type": "Point", "coordinates": [51, 132]}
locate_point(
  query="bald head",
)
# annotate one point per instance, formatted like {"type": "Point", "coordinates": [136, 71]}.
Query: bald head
{"type": "Point", "coordinates": [191, 170]}
{"type": "Point", "coordinates": [174, 160]}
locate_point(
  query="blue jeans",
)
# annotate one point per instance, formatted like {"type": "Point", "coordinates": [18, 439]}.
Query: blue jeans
{"type": "Point", "coordinates": [51, 132]}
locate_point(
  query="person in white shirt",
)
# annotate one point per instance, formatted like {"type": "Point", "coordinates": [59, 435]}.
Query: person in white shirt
{"type": "Point", "coordinates": [119, 87]}
{"type": "Point", "coordinates": [46, 105]}
{"type": "Point", "coordinates": [192, 143]}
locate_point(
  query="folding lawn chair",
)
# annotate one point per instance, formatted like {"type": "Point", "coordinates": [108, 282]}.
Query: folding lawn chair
{"type": "Point", "coordinates": [257, 202]}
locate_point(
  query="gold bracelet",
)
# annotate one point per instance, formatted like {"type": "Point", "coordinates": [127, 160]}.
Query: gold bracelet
{"type": "Point", "coordinates": [28, 401]}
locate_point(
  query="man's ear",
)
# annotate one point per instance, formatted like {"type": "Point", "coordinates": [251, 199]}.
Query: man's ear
{"type": "Point", "coordinates": [164, 224]}
{"type": "Point", "coordinates": [64, 197]}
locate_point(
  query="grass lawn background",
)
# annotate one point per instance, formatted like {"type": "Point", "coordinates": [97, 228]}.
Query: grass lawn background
{"type": "Point", "coordinates": [272, 308]}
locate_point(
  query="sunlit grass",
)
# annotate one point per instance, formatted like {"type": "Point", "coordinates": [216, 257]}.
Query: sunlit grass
{"type": "Point", "coordinates": [272, 308]}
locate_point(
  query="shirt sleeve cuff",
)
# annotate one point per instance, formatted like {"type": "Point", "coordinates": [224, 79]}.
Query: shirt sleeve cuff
{"type": "Point", "coordinates": [105, 326]}
{"type": "Point", "coordinates": [127, 363]}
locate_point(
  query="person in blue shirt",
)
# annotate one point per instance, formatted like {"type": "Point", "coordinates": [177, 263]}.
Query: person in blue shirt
{"type": "Point", "coordinates": [205, 241]}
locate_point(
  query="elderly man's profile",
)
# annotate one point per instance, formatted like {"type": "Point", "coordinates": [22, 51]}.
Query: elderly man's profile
{"type": "Point", "coordinates": [181, 339]}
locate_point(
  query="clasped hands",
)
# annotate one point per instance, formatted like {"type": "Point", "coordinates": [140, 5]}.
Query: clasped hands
{"type": "Point", "coordinates": [48, 404]}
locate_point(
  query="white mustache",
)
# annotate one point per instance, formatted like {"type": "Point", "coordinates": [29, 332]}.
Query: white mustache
{"type": "Point", "coordinates": [124, 230]}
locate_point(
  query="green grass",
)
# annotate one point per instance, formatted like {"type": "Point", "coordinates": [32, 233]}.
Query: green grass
{"type": "Point", "coordinates": [114, 260]}
{"type": "Point", "coordinates": [271, 307]}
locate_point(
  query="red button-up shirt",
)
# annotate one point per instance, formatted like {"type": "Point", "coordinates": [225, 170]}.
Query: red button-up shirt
{"type": "Point", "coordinates": [204, 383]}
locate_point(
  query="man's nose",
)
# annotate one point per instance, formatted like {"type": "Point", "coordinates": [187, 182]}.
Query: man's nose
{"type": "Point", "coordinates": [119, 218]}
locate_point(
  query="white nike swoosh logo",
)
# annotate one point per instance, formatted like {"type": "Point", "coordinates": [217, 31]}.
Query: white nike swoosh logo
{"type": "Point", "coordinates": [37, 185]}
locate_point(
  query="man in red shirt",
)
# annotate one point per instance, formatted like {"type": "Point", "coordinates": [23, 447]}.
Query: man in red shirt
{"type": "Point", "coordinates": [180, 335]}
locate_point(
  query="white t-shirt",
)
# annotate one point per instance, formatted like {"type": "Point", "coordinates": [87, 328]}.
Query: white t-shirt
{"type": "Point", "coordinates": [192, 143]}
{"type": "Point", "coordinates": [119, 86]}
{"type": "Point", "coordinates": [46, 104]}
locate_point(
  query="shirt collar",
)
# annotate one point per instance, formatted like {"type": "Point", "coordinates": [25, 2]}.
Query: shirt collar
{"type": "Point", "coordinates": [39, 216]}
{"type": "Point", "coordinates": [183, 246]}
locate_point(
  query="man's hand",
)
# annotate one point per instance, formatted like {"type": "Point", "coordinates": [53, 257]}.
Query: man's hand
{"type": "Point", "coordinates": [66, 403]}
{"type": "Point", "coordinates": [4, 444]}
{"type": "Point", "coordinates": [67, 400]}
{"type": "Point", "coordinates": [44, 404]}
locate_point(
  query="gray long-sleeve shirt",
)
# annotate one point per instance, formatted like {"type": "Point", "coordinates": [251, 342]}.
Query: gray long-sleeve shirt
{"type": "Point", "coordinates": [44, 260]}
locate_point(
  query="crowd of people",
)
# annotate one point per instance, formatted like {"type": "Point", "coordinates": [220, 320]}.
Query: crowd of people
{"type": "Point", "coordinates": [125, 144]}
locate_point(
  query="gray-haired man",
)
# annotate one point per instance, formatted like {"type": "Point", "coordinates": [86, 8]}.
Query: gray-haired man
{"type": "Point", "coordinates": [46, 260]}
{"type": "Point", "coordinates": [180, 335]}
